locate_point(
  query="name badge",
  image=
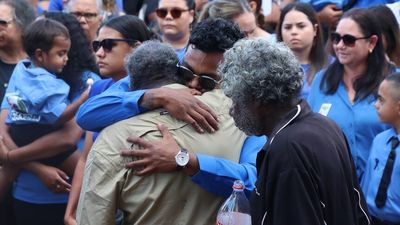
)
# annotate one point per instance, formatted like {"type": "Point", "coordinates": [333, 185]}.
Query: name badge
{"type": "Point", "coordinates": [324, 110]}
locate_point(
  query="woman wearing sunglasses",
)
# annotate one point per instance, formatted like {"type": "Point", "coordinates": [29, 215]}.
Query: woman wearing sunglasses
{"type": "Point", "coordinates": [116, 38]}
{"type": "Point", "coordinates": [174, 18]}
{"type": "Point", "coordinates": [300, 30]}
{"type": "Point", "coordinates": [347, 89]}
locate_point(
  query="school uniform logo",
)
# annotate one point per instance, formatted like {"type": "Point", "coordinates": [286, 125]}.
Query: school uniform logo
{"type": "Point", "coordinates": [325, 108]}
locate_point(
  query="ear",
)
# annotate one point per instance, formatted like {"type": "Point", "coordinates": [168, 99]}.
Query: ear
{"type": "Point", "coordinates": [136, 44]}
{"type": "Point", "coordinates": [191, 12]}
{"type": "Point", "coordinates": [253, 6]}
{"type": "Point", "coordinates": [315, 29]}
{"type": "Point", "coordinates": [398, 107]}
{"type": "Point", "coordinates": [39, 55]}
{"type": "Point", "coordinates": [372, 42]}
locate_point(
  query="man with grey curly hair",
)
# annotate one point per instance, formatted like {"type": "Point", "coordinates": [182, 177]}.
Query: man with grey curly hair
{"type": "Point", "coordinates": [305, 172]}
{"type": "Point", "coordinates": [167, 196]}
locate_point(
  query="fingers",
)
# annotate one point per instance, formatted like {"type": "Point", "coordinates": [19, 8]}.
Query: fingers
{"type": "Point", "coordinates": [164, 131]}
{"type": "Point", "coordinates": [3, 151]}
{"type": "Point", "coordinates": [62, 184]}
{"type": "Point", "coordinates": [141, 167]}
{"type": "Point", "coordinates": [209, 115]}
{"type": "Point", "coordinates": [135, 153]}
{"type": "Point", "coordinates": [202, 120]}
{"type": "Point", "coordinates": [139, 141]}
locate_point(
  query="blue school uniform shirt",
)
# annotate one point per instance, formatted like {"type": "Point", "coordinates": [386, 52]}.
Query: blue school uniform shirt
{"type": "Point", "coordinates": [380, 150]}
{"type": "Point", "coordinates": [359, 120]}
{"type": "Point", "coordinates": [34, 95]}
{"type": "Point", "coordinates": [97, 88]}
{"type": "Point", "coordinates": [215, 175]}
{"type": "Point", "coordinates": [306, 87]}
{"type": "Point", "coordinates": [27, 186]}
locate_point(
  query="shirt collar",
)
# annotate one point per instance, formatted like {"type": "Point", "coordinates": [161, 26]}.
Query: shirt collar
{"type": "Point", "coordinates": [392, 133]}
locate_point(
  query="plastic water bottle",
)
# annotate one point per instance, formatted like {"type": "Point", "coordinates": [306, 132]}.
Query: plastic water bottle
{"type": "Point", "coordinates": [236, 209]}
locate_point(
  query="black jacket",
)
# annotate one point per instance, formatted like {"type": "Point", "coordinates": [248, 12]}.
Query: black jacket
{"type": "Point", "coordinates": [306, 175]}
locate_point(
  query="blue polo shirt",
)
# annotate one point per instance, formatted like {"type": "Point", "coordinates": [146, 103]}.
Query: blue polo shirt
{"type": "Point", "coordinates": [359, 120]}
{"type": "Point", "coordinates": [380, 150]}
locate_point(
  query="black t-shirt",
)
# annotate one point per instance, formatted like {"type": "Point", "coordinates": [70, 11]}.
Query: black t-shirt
{"type": "Point", "coordinates": [5, 74]}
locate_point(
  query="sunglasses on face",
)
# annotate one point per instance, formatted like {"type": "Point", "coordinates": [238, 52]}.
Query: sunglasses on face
{"type": "Point", "coordinates": [175, 12]}
{"type": "Point", "coordinates": [109, 43]}
{"type": "Point", "coordinates": [206, 82]}
{"type": "Point", "coordinates": [348, 40]}
{"type": "Point", "coordinates": [87, 16]}
{"type": "Point", "coordinates": [4, 23]}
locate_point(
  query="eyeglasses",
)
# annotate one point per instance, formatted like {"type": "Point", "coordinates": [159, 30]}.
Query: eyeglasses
{"type": "Point", "coordinates": [205, 81]}
{"type": "Point", "coordinates": [348, 40]}
{"type": "Point", "coordinates": [109, 43]}
{"type": "Point", "coordinates": [87, 16]}
{"type": "Point", "coordinates": [4, 23]}
{"type": "Point", "coordinates": [175, 12]}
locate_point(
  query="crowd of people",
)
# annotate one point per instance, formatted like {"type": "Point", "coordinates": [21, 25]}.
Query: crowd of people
{"type": "Point", "coordinates": [147, 111]}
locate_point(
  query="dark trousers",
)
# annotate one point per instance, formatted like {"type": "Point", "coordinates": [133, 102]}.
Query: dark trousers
{"type": "Point", "coordinates": [7, 216]}
{"type": "Point", "coordinates": [376, 221]}
{"type": "Point", "coordinates": [39, 214]}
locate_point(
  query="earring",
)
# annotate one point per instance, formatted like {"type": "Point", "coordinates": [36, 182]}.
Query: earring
{"type": "Point", "coordinates": [370, 50]}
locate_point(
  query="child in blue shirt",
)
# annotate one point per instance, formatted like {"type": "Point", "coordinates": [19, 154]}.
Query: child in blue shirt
{"type": "Point", "coordinates": [385, 210]}
{"type": "Point", "coordinates": [38, 102]}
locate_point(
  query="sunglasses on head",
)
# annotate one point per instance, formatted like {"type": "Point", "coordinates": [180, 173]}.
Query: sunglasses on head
{"type": "Point", "coordinates": [109, 43]}
{"type": "Point", "coordinates": [175, 12]}
{"type": "Point", "coordinates": [348, 40]}
{"type": "Point", "coordinates": [4, 23]}
{"type": "Point", "coordinates": [206, 82]}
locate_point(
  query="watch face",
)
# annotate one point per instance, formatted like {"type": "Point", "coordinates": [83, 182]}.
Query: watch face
{"type": "Point", "coordinates": [182, 158]}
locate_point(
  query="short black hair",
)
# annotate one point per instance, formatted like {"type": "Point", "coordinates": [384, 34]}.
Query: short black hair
{"type": "Point", "coordinates": [130, 27]}
{"type": "Point", "coordinates": [80, 56]}
{"type": "Point", "coordinates": [215, 35]}
{"type": "Point", "coordinates": [40, 35]}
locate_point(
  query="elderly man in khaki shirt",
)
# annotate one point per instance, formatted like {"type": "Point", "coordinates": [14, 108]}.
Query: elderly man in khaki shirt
{"type": "Point", "coordinates": [160, 198]}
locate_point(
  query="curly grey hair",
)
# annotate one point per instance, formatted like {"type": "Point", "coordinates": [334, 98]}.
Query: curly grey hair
{"type": "Point", "coordinates": [255, 70]}
{"type": "Point", "coordinates": [152, 64]}
{"type": "Point", "coordinates": [23, 12]}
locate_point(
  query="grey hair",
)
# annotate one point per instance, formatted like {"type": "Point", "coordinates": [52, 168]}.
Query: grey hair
{"type": "Point", "coordinates": [226, 9]}
{"type": "Point", "coordinates": [99, 7]}
{"type": "Point", "coordinates": [255, 70]}
{"type": "Point", "coordinates": [23, 12]}
{"type": "Point", "coordinates": [152, 64]}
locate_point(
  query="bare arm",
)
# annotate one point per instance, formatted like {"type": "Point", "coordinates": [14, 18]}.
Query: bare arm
{"type": "Point", "coordinates": [48, 145]}
{"type": "Point", "coordinates": [70, 111]}
{"type": "Point", "coordinates": [70, 213]}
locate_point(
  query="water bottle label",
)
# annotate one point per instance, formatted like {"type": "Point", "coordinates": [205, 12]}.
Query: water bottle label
{"type": "Point", "coordinates": [233, 218]}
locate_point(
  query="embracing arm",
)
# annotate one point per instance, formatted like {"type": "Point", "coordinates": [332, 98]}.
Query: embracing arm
{"type": "Point", "coordinates": [214, 174]}
{"type": "Point", "coordinates": [118, 103]}
{"type": "Point", "coordinates": [217, 174]}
